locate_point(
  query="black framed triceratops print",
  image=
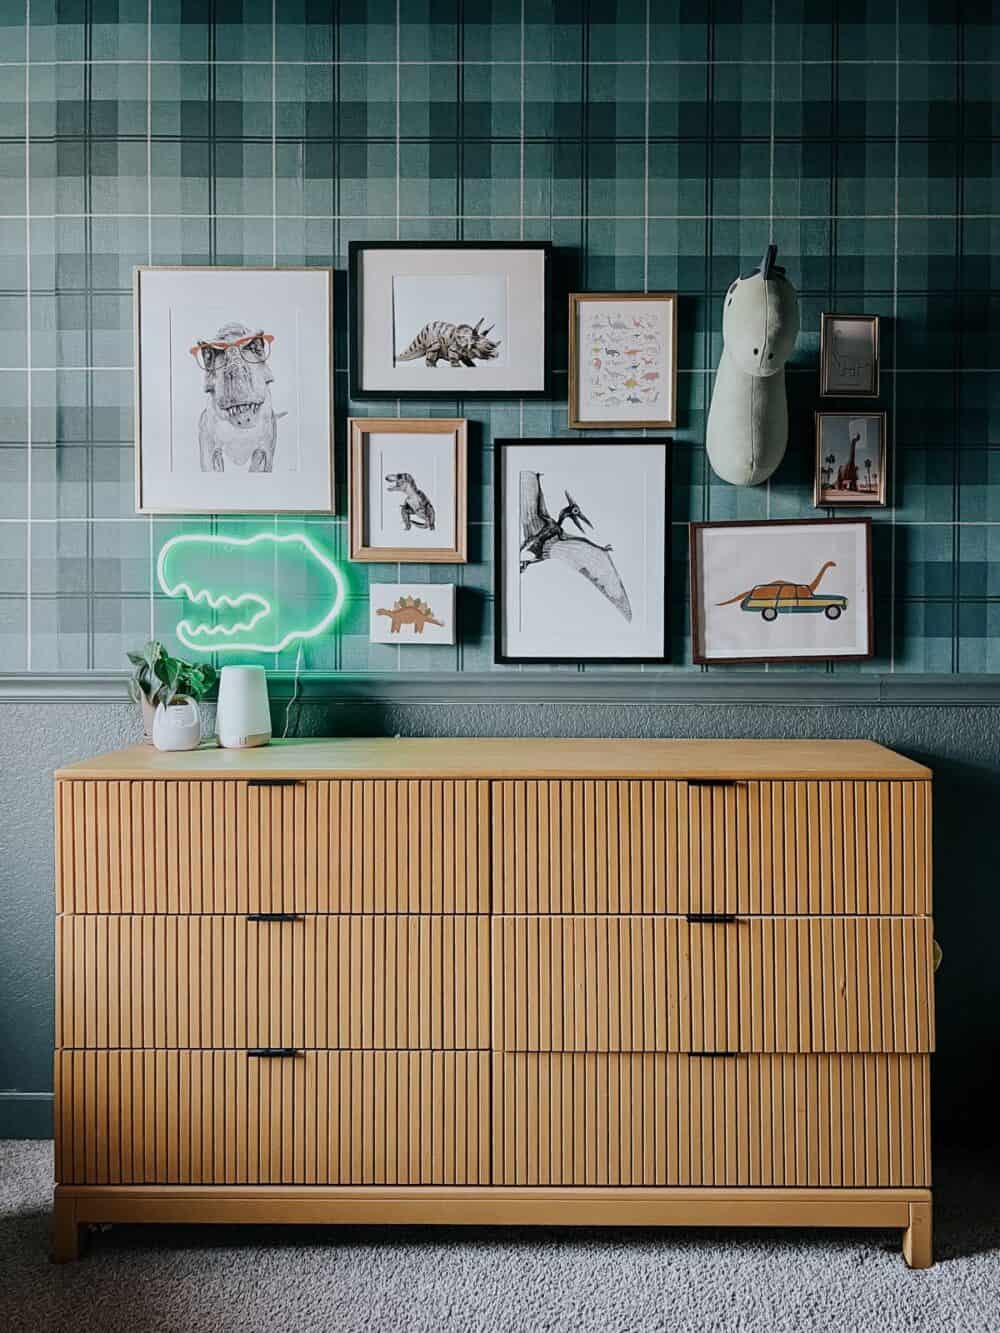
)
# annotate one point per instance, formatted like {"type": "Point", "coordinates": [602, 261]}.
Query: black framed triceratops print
{"type": "Point", "coordinates": [234, 390]}
{"type": "Point", "coordinates": [462, 319]}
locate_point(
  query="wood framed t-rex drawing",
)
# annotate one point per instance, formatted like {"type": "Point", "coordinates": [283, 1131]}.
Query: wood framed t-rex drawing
{"type": "Point", "coordinates": [581, 550]}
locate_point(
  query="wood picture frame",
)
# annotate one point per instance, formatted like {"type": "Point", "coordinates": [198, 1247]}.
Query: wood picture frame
{"type": "Point", "coordinates": [166, 322]}
{"type": "Point", "coordinates": [605, 596]}
{"type": "Point", "coordinates": [849, 458]}
{"type": "Point", "coordinates": [626, 331]}
{"type": "Point", "coordinates": [446, 451]}
{"type": "Point", "coordinates": [848, 359]}
{"type": "Point", "coordinates": [520, 333]}
{"type": "Point", "coordinates": [767, 599]}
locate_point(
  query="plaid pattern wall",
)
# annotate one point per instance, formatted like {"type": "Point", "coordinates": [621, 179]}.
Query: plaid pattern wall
{"type": "Point", "coordinates": [656, 143]}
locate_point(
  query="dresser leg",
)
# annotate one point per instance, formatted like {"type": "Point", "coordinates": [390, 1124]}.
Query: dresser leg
{"type": "Point", "coordinates": [65, 1232]}
{"type": "Point", "coordinates": [917, 1242]}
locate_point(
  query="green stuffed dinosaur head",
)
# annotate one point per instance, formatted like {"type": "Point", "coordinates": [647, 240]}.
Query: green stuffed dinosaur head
{"type": "Point", "coordinates": [250, 594]}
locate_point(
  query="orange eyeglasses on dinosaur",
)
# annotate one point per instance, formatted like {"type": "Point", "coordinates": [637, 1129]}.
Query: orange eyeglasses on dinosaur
{"type": "Point", "coordinates": [252, 347]}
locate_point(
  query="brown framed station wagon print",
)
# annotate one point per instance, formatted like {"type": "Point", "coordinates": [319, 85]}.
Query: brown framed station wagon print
{"type": "Point", "coordinates": [788, 590]}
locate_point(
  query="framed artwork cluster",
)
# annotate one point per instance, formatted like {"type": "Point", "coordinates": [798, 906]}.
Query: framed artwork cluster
{"type": "Point", "coordinates": [234, 414]}
{"type": "Point", "coordinates": [851, 446]}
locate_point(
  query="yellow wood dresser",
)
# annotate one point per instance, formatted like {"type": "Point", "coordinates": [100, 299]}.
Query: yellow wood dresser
{"type": "Point", "coordinates": [495, 981]}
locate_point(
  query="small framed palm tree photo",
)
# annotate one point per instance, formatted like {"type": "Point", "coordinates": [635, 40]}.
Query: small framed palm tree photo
{"type": "Point", "coordinates": [581, 532]}
{"type": "Point", "coordinates": [850, 460]}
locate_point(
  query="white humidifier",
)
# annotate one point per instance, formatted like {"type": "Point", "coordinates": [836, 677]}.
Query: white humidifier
{"type": "Point", "coordinates": [243, 717]}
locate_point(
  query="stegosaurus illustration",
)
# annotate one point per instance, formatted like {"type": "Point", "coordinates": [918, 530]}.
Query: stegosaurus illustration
{"type": "Point", "coordinates": [409, 611]}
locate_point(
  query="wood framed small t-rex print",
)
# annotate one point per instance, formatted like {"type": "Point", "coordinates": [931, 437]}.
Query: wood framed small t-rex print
{"type": "Point", "coordinates": [408, 486]}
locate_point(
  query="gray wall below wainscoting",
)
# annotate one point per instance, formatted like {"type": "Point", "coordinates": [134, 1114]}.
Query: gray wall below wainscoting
{"type": "Point", "coordinates": [961, 743]}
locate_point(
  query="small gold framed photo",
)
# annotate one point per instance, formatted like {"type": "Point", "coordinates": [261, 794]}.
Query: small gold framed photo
{"type": "Point", "coordinates": [850, 460]}
{"type": "Point", "coordinates": [408, 485]}
{"type": "Point", "coordinates": [622, 360]}
{"type": "Point", "coordinates": [849, 356]}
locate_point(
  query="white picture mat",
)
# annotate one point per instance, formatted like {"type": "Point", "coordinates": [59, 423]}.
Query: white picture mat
{"type": "Point", "coordinates": [440, 597]}
{"type": "Point", "coordinates": [591, 376]}
{"type": "Point", "coordinates": [733, 560]}
{"type": "Point", "coordinates": [430, 460]}
{"type": "Point", "coordinates": [551, 610]}
{"type": "Point", "coordinates": [523, 367]}
{"type": "Point", "coordinates": [177, 308]}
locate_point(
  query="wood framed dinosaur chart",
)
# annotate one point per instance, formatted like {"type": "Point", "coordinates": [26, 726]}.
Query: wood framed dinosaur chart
{"type": "Point", "coordinates": [622, 360]}
{"type": "Point", "coordinates": [782, 590]}
{"type": "Point", "coordinates": [233, 390]}
{"type": "Point", "coordinates": [581, 550]}
{"type": "Point", "coordinates": [408, 489]}
{"type": "Point", "coordinates": [464, 319]}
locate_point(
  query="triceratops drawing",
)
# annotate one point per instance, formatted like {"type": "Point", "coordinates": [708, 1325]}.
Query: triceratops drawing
{"type": "Point", "coordinates": [239, 426]}
{"type": "Point", "coordinates": [458, 344]}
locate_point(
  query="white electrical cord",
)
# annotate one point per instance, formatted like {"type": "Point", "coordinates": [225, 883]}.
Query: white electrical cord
{"type": "Point", "coordinates": [295, 692]}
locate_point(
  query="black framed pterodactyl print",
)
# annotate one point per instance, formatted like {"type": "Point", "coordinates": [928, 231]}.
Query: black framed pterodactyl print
{"type": "Point", "coordinates": [581, 558]}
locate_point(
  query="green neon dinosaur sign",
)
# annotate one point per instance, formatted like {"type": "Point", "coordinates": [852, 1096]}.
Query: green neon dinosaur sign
{"type": "Point", "coordinates": [229, 576]}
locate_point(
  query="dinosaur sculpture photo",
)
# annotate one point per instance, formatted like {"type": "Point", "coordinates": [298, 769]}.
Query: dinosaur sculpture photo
{"type": "Point", "coordinates": [409, 611]}
{"type": "Point", "coordinates": [239, 426]}
{"type": "Point", "coordinates": [458, 344]}
{"type": "Point", "coordinates": [543, 539]}
{"type": "Point", "coordinates": [416, 509]}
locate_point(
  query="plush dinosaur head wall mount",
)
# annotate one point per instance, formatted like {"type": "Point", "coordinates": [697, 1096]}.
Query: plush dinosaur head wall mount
{"type": "Point", "coordinates": [748, 419]}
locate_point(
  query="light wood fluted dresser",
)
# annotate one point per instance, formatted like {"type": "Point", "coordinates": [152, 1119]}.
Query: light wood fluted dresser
{"type": "Point", "coordinates": [492, 981]}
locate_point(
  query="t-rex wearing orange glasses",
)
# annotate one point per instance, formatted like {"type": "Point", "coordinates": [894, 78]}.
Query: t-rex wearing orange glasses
{"type": "Point", "coordinates": [239, 425]}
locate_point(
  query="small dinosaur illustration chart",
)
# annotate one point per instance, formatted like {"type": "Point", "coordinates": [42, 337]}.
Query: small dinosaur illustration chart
{"type": "Point", "coordinates": [623, 358]}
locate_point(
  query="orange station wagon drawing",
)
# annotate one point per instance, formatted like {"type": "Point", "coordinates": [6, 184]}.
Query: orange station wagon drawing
{"type": "Point", "coordinates": [782, 596]}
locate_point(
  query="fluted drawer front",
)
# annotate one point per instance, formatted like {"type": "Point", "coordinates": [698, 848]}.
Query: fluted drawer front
{"type": "Point", "coordinates": [642, 983]}
{"type": "Point", "coordinates": [320, 981]}
{"type": "Point", "coordinates": [309, 846]}
{"type": "Point", "coordinates": [212, 1118]}
{"type": "Point", "coordinates": [754, 1120]}
{"type": "Point", "coordinates": [752, 847]}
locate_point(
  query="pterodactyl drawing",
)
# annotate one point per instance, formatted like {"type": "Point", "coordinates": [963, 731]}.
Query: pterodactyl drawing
{"type": "Point", "coordinates": [543, 538]}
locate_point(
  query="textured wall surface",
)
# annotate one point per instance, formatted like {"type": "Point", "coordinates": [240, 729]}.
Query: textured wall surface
{"type": "Point", "coordinates": [962, 745]}
{"type": "Point", "coordinates": [658, 145]}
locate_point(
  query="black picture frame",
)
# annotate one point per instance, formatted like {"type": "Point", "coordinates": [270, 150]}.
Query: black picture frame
{"type": "Point", "coordinates": [613, 442]}
{"type": "Point", "coordinates": [702, 659]}
{"type": "Point", "coordinates": [355, 251]}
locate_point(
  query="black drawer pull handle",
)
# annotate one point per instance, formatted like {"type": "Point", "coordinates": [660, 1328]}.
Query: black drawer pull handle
{"type": "Point", "coordinates": [271, 1052]}
{"type": "Point", "coordinates": [713, 918]}
{"type": "Point", "coordinates": [714, 1055]}
{"type": "Point", "coordinates": [274, 782]}
{"type": "Point", "coordinates": [273, 916]}
{"type": "Point", "coordinates": [716, 782]}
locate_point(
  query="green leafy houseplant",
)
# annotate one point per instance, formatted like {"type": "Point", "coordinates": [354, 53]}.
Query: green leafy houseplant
{"type": "Point", "coordinates": [159, 678]}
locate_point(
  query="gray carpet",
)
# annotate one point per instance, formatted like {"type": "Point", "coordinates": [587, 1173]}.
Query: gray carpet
{"type": "Point", "coordinates": [296, 1280]}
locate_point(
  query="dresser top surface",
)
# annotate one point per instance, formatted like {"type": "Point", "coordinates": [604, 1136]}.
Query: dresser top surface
{"type": "Point", "coordinates": [384, 757]}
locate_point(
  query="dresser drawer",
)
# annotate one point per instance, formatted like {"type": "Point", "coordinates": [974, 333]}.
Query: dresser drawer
{"type": "Point", "coordinates": [207, 1118]}
{"type": "Point", "coordinates": [751, 847]}
{"type": "Point", "coordinates": [642, 983]}
{"type": "Point", "coordinates": [263, 846]}
{"type": "Point", "coordinates": [226, 981]}
{"type": "Point", "coordinates": [781, 1120]}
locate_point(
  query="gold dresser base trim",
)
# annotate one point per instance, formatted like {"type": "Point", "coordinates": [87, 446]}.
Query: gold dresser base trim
{"type": "Point", "coordinates": [908, 1210]}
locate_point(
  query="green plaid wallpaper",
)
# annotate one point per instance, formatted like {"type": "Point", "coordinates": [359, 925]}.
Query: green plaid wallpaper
{"type": "Point", "coordinates": [657, 143]}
